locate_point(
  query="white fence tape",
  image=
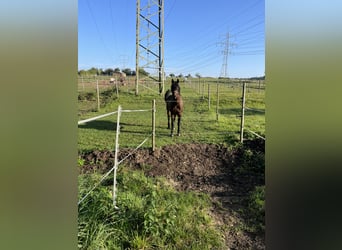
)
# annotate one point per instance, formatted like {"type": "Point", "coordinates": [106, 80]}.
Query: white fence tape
{"type": "Point", "coordinates": [256, 134]}
{"type": "Point", "coordinates": [137, 110]}
{"type": "Point", "coordinates": [96, 117]}
{"type": "Point", "coordinates": [111, 113]}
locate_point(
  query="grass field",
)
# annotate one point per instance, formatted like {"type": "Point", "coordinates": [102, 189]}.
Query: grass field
{"type": "Point", "coordinates": [199, 123]}
{"type": "Point", "coordinates": [152, 214]}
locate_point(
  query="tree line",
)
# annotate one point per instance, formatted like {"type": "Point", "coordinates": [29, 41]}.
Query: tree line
{"type": "Point", "coordinates": [109, 72]}
{"type": "Point", "coordinates": [129, 72]}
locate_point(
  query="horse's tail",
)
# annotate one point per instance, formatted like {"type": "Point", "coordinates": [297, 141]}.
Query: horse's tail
{"type": "Point", "coordinates": [167, 94]}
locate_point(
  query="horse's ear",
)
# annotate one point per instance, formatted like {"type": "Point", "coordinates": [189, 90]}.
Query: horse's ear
{"type": "Point", "coordinates": [172, 80]}
{"type": "Point", "coordinates": [177, 80]}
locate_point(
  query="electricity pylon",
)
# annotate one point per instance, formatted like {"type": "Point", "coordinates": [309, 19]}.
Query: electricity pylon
{"type": "Point", "coordinates": [225, 52]}
{"type": "Point", "coordinates": [150, 42]}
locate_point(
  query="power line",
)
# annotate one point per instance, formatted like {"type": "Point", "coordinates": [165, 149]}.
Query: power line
{"type": "Point", "coordinates": [170, 10]}
{"type": "Point", "coordinates": [202, 54]}
{"type": "Point", "coordinates": [113, 24]}
{"type": "Point", "coordinates": [98, 30]}
{"type": "Point", "coordinates": [211, 29]}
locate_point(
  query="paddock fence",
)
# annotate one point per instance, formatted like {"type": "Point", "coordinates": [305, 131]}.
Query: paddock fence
{"type": "Point", "coordinates": [94, 92]}
{"type": "Point", "coordinates": [240, 105]}
{"type": "Point", "coordinates": [221, 97]}
{"type": "Point", "coordinates": [116, 146]}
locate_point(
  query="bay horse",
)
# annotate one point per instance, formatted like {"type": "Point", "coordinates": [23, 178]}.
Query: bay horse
{"type": "Point", "coordinates": [174, 106]}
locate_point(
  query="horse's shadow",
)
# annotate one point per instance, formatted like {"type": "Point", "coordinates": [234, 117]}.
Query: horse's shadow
{"type": "Point", "coordinates": [107, 125]}
{"type": "Point", "coordinates": [99, 125]}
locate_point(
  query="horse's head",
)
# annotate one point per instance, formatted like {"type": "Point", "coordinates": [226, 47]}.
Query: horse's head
{"type": "Point", "coordinates": [174, 82]}
{"type": "Point", "coordinates": [175, 86]}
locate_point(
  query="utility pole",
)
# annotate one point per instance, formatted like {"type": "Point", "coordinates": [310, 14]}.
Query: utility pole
{"type": "Point", "coordinates": [225, 52]}
{"type": "Point", "coordinates": [225, 57]}
{"type": "Point", "coordinates": [137, 34]}
{"type": "Point", "coordinates": [150, 41]}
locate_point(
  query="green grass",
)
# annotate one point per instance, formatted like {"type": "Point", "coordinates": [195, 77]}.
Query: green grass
{"type": "Point", "coordinates": [151, 215]}
{"type": "Point", "coordinates": [199, 123]}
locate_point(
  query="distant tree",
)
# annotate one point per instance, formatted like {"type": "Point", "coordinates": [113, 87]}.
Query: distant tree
{"type": "Point", "coordinates": [172, 75]}
{"type": "Point", "coordinates": [127, 71]}
{"type": "Point", "coordinates": [180, 75]}
{"type": "Point", "coordinates": [92, 71]}
{"type": "Point", "coordinates": [189, 76]}
{"type": "Point", "coordinates": [117, 70]}
{"type": "Point", "coordinates": [198, 75]}
{"type": "Point", "coordinates": [82, 72]}
{"type": "Point", "coordinates": [108, 72]}
{"type": "Point", "coordinates": [257, 78]}
{"type": "Point", "coordinates": [143, 72]}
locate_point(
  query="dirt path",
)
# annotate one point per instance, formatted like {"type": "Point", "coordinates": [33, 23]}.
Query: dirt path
{"type": "Point", "coordinates": [202, 168]}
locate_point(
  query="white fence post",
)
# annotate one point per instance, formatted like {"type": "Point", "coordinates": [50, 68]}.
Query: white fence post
{"type": "Point", "coordinates": [217, 101]}
{"type": "Point", "coordinates": [153, 125]}
{"type": "Point", "coordinates": [208, 96]}
{"type": "Point", "coordinates": [116, 154]}
{"type": "Point", "coordinates": [98, 95]}
{"type": "Point", "coordinates": [243, 111]}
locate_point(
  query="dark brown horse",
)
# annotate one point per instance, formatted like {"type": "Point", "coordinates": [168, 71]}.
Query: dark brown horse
{"type": "Point", "coordinates": [174, 106]}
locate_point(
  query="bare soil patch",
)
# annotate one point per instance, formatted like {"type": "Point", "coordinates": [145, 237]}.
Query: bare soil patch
{"type": "Point", "coordinates": [204, 168]}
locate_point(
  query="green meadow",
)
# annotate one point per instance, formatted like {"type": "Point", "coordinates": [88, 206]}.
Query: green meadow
{"type": "Point", "coordinates": [202, 121]}
{"type": "Point", "coordinates": [152, 214]}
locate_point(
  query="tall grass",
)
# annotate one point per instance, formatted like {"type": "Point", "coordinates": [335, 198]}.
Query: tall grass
{"type": "Point", "coordinates": [151, 215]}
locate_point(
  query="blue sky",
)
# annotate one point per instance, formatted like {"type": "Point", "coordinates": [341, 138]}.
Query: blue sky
{"type": "Point", "coordinates": [194, 36]}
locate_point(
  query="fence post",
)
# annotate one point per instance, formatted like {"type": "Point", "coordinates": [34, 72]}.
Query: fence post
{"type": "Point", "coordinates": [153, 125]}
{"type": "Point", "coordinates": [98, 95]}
{"type": "Point", "coordinates": [217, 101]}
{"type": "Point", "coordinates": [243, 111]}
{"type": "Point", "coordinates": [208, 96]}
{"type": "Point", "coordinates": [116, 154]}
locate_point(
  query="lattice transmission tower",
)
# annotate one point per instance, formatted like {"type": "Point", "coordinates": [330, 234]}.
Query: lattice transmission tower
{"type": "Point", "coordinates": [150, 43]}
{"type": "Point", "coordinates": [226, 51]}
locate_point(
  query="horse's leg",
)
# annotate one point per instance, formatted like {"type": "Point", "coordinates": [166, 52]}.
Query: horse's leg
{"type": "Point", "coordinates": [168, 115]}
{"type": "Point", "coordinates": [179, 124]}
{"type": "Point", "coordinates": [168, 119]}
{"type": "Point", "coordinates": [173, 118]}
